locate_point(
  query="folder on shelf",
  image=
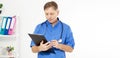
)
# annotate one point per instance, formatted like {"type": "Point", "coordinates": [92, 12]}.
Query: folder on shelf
{"type": "Point", "coordinates": [9, 19]}
{"type": "Point", "coordinates": [0, 23]}
{"type": "Point", "coordinates": [4, 22]}
{"type": "Point", "coordinates": [12, 25]}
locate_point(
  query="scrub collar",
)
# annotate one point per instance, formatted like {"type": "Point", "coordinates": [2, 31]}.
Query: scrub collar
{"type": "Point", "coordinates": [48, 23]}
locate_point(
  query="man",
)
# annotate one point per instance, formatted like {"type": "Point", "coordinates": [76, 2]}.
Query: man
{"type": "Point", "coordinates": [56, 32]}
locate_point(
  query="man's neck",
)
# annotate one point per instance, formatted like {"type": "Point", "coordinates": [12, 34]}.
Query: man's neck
{"type": "Point", "coordinates": [54, 23]}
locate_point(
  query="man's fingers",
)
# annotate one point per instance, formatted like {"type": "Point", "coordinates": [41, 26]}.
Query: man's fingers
{"type": "Point", "coordinates": [47, 43]}
{"type": "Point", "coordinates": [53, 40]}
{"type": "Point", "coordinates": [49, 46]}
{"type": "Point", "coordinates": [41, 42]}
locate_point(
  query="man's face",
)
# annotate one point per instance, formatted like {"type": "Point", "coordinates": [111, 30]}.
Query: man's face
{"type": "Point", "coordinates": [51, 14]}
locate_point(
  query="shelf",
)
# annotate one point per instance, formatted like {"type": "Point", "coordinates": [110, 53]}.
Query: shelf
{"type": "Point", "coordinates": [7, 56]}
{"type": "Point", "coordinates": [13, 55]}
{"type": "Point", "coordinates": [10, 40]}
{"type": "Point", "coordinates": [7, 36]}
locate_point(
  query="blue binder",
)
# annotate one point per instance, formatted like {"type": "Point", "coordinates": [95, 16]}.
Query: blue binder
{"type": "Point", "coordinates": [0, 23]}
{"type": "Point", "coordinates": [4, 22]}
{"type": "Point", "coordinates": [9, 19]}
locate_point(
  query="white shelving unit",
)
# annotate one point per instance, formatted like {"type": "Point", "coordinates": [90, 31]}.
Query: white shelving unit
{"type": "Point", "coordinates": [7, 36]}
{"type": "Point", "coordinates": [10, 40]}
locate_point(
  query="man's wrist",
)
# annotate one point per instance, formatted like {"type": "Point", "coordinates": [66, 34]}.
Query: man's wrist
{"type": "Point", "coordinates": [59, 46]}
{"type": "Point", "coordinates": [39, 49]}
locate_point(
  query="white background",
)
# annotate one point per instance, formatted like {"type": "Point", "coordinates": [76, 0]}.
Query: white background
{"type": "Point", "coordinates": [95, 25]}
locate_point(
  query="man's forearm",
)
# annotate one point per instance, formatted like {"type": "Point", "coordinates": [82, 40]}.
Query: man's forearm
{"type": "Point", "coordinates": [65, 48]}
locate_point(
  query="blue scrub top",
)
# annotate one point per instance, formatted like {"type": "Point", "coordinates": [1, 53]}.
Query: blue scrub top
{"type": "Point", "coordinates": [54, 33]}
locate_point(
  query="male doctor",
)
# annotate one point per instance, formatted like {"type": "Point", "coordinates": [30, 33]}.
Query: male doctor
{"type": "Point", "coordinates": [58, 34]}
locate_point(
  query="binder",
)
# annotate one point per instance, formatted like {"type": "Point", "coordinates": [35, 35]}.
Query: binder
{"type": "Point", "coordinates": [7, 25]}
{"type": "Point", "coordinates": [4, 21]}
{"type": "Point", "coordinates": [12, 26]}
{"type": "Point", "coordinates": [0, 23]}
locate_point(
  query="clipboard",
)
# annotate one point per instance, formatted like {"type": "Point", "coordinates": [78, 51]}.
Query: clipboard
{"type": "Point", "coordinates": [39, 38]}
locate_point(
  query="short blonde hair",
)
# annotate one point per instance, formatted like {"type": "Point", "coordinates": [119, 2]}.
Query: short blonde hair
{"type": "Point", "coordinates": [51, 4]}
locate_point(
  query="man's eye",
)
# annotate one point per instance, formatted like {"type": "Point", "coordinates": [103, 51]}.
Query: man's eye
{"type": "Point", "coordinates": [46, 14]}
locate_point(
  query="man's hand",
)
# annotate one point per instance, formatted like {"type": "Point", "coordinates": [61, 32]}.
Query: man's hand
{"type": "Point", "coordinates": [44, 47]}
{"type": "Point", "coordinates": [63, 47]}
{"type": "Point", "coordinates": [55, 44]}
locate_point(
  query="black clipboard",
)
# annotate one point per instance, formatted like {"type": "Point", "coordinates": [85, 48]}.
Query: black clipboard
{"type": "Point", "coordinates": [39, 38]}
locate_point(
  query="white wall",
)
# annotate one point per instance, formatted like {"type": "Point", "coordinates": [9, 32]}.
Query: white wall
{"type": "Point", "coordinates": [95, 24]}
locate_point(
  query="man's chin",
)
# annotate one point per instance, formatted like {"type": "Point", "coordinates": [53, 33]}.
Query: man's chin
{"type": "Point", "coordinates": [50, 22]}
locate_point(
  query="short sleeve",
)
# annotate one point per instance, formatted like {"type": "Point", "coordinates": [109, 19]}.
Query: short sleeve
{"type": "Point", "coordinates": [69, 38]}
{"type": "Point", "coordinates": [36, 31]}
{"type": "Point", "coordinates": [32, 44]}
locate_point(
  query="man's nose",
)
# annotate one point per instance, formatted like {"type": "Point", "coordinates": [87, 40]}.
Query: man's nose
{"type": "Point", "coordinates": [49, 16]}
